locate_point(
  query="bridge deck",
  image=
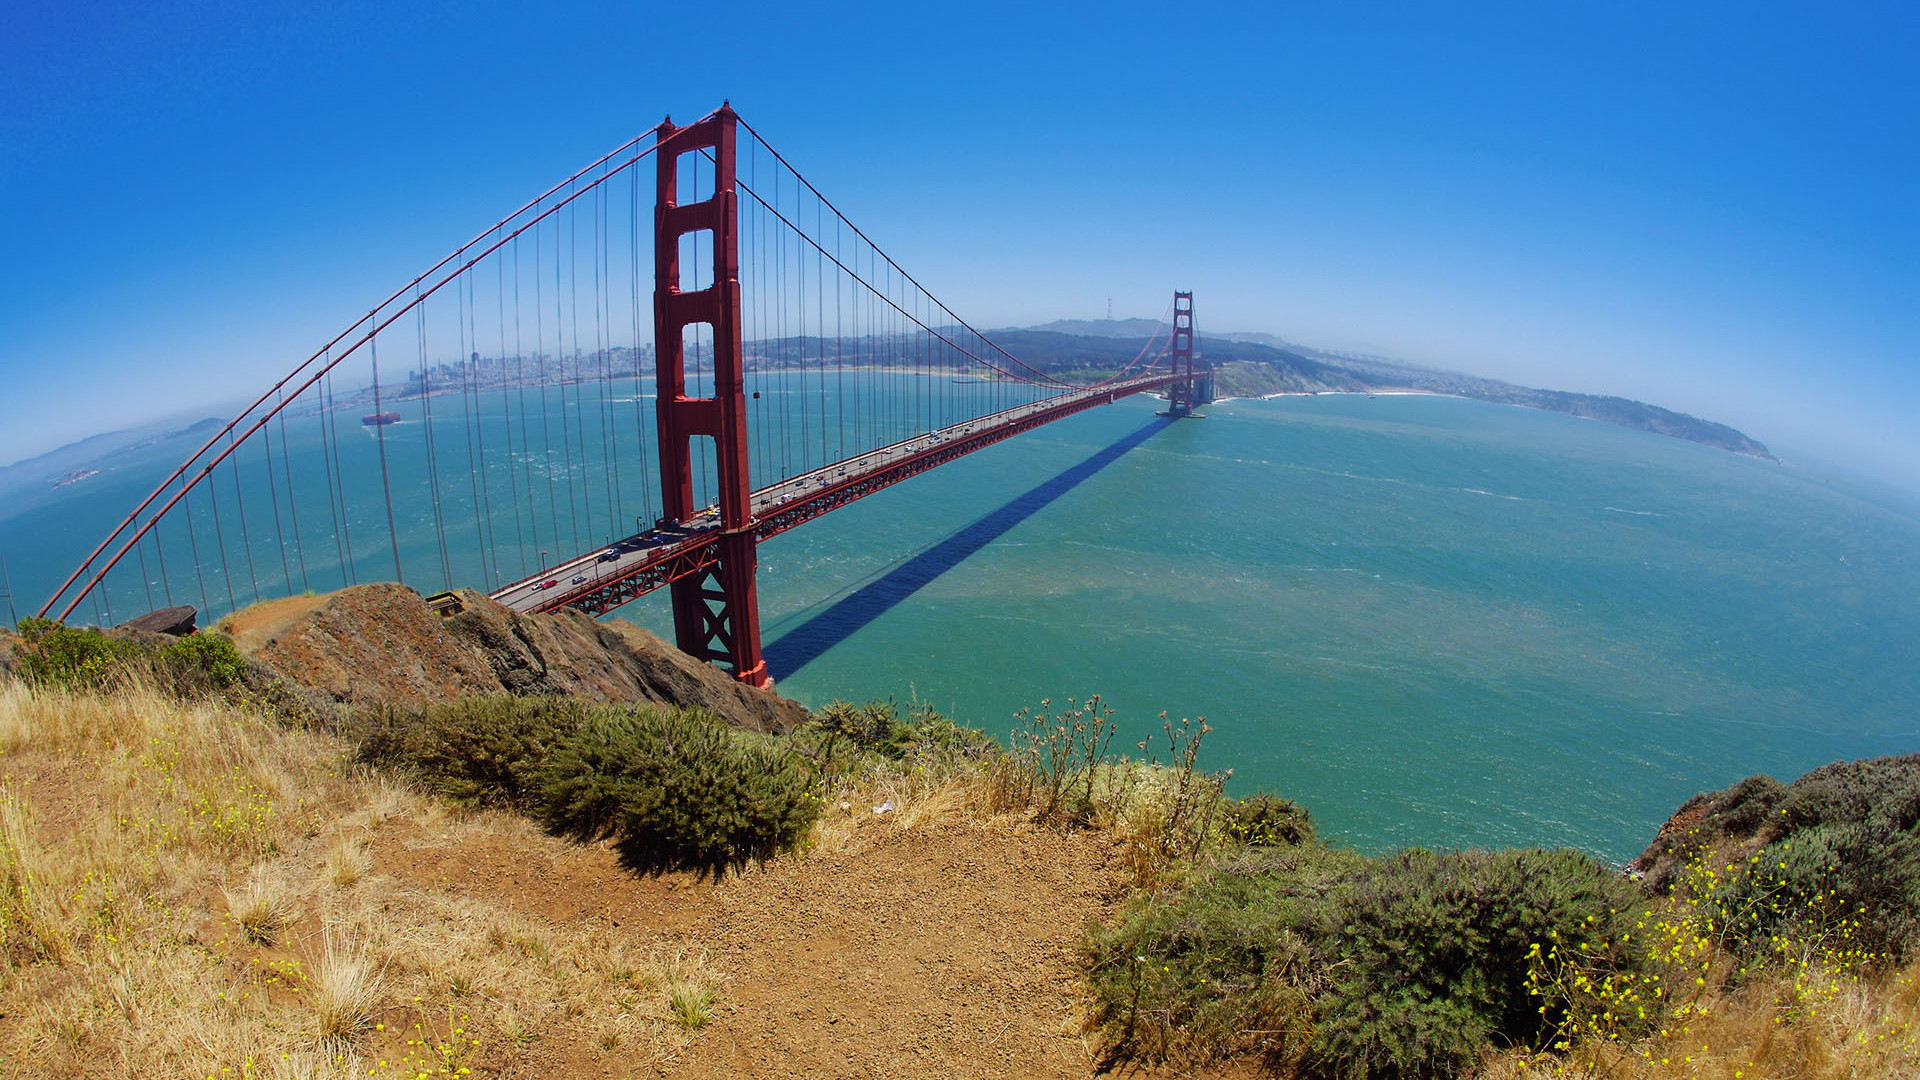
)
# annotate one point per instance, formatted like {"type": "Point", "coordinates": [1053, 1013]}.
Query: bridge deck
{"type": "Point", "coordinates": [605, 578]}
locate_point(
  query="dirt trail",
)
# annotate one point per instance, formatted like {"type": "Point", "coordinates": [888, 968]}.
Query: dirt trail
{"type": "Point", "coordinates": [945, 951]}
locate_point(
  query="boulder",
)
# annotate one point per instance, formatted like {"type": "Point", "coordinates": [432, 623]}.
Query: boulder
{"type": "Point", "coordinates": [175, 621]}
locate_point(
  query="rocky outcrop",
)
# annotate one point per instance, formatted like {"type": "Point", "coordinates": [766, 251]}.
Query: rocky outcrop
{"type": "Point", "coordinates": [383, 645]}
{"type": "Point", "coordinates": [1881, 795]}
{"type": "Point", "coordinates": [176, 621]}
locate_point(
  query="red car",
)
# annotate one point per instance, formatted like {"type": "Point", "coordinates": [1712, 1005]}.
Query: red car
{"type": "Point", "coordinates": [548, 584]}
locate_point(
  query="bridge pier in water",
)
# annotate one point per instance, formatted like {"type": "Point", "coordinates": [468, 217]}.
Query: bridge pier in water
{"type": "Point", "coordinates": [716, 613]}
{"type": "Point", "coordinates": [1180, 395]}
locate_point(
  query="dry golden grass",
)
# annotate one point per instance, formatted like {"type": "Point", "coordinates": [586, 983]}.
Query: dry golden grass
{"type": "Point", "coordinates": [1808, 1024]}
{"type": "Point", "coordinates": [186, 890]}
{"type": "Point", "coordinates": [1136, 804]}
{"type": "Point", "coordinates": [905, 797]}
{"type": "Point", "coordinates": [348, 860]}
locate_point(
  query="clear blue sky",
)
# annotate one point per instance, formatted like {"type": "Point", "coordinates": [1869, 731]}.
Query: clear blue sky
{"type": "Point", "coordinates": [1711, 206]}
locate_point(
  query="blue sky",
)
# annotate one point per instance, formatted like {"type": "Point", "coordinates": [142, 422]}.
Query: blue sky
{"type": "Point", "coordinates": [1711, 206]}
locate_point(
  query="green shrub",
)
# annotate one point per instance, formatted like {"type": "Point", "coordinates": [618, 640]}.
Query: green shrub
{"type": "Point", "coordinates": [1884, 790]}
{"type": "Point", "coordinates": [1429, 954]}
{"type": "Point", "coordinates": [1833, 857]}
{"type": "Point", "coordinates": [1408, 965]}
{"type": "Point", "coordinates": [1264, 820]}
{"type": "Point", "coordinates": [875, 728]}
{"type": "Point", "coordinates": [1218, 968]}
{"type": "Point", "coordinates": [477, 750]}
{"type": "Point", "coordinates": [1849, 888]}
{"type": "Point", "coordinates": [842, 734]}
{"type": "Point", "coordinates": [677, 789]}
{"type": "Point", "coordinates": [199, 664]}
{"type": "Point", "coordinates": [51, 654]}
{"type": "Point", "coordinates": [938, 741]}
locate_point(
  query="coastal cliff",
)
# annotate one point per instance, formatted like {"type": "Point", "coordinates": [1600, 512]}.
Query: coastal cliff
{"type": "Point", "coordinates": [382, 644]}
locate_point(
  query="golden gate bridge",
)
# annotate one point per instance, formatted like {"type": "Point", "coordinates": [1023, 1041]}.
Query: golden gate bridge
{"type": "Point", "coordinates": [787, 349]}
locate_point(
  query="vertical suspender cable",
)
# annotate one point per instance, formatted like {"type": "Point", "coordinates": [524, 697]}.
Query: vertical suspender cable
{"type": "Point", "coordinates": [477, 454]}
{"type": "Point", "coordinates": [293, 503]}
{"type": "Point", "coordinates": [220, 538]}
{"type": "Point", "coordinates": [520, 383]}
{"type": "Point", "coordinates": [145, 581]}
{"type": "Point", "coordinates": [506, 416]}
{"type": "Point", "coordinates": [273, 496]}
{"type": "Point", "coordinates": [380, 438]}
{"type": "Point", "coordinates": [160, 552]}
{"type": "Point", "coordinates": [336, 493]}
{"type": "Point", "coordinates": [609, 461]}
{"type": "Point", "coordinates": [433, 458]}
{"type": "Point", "coordinates": [540, 363]}
{"type": "Point", "coordinates": [193, 547]}
{"type": "Point", "coordinates": [560, 359]}
{"type": "Point", "coordinates": [639, 413]}
{"type": "Point", "coordinates": [579, 370]}
{"type": "Point", "coordinates": [240, 503]}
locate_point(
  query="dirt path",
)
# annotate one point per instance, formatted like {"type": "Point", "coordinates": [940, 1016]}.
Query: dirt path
{"type": "Point", "coordinates": [946, 951]}
{"type": "Point", "coordinates": [940, 953]}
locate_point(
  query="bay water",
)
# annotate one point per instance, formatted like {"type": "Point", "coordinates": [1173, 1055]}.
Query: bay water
{"type": "Point", "coordinates": [1433, 621]}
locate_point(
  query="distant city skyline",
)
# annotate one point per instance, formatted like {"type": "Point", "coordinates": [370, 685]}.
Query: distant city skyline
{"type": "Point", "coordinates": [1709, 209]}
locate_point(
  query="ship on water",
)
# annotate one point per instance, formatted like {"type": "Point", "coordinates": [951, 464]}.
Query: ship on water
{"type": "Point", "coordinates": [380, 419]}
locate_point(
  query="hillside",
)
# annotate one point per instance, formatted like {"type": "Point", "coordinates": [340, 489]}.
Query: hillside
{"type": "Point", "coordinates": [326, 923]}
{"type": "Point", "coordinates": [1253, 365]}
{"type": "Point", "coordinates": [381, 645]}
{"type": "Point", "coordinates": [1623, 412]}
{"type": "Point", "coordinates": [198, 877]}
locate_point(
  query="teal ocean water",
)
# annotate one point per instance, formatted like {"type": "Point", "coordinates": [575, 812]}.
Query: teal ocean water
{"type": "Point", "coordinates": [1433, 621]}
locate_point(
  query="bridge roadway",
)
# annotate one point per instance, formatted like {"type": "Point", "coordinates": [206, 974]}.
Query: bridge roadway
{"type": "Point", "coordinates": [605, 578]}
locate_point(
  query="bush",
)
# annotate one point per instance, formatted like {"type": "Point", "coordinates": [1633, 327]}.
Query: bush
{"type": "Point", "coordinates": [476, 750]}
{"type": "Point", "coordinates": [1408, 965]}
{"type": "Point", "coordinates": [677, 789]}
{"type": "Point", "coordinates": [51, 654]}
{"type": "Point", "coordinates": [1429, 954]}
{"type": "Point", "coordinates": [1264, 820]}
{"type": "Point", "coordinates": [1850, 890]}
{"type": "Point", "coordinates": [1220, 967]}
{"type": "Point", "coordinates": [199, 664]}
{"type": "Point", "coordinates": [1834, 855]}
{"type": "Point", "coordinates": [1884, 790]}
{"type": "Point", "coordinates": [842, 735]}
{"type": "Point", "coordinates": [874, 728]}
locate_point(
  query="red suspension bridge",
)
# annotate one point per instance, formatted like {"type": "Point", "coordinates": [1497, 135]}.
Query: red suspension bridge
{"type": "Point", "coordinates": [783, 347]}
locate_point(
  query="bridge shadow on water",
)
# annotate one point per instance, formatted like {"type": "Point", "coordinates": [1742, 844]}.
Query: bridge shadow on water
{"type": "Point", "coordinates": [810, 640]}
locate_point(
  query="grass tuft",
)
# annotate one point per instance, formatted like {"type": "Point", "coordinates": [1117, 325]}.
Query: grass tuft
{"type": "Point", "coordinates": [690, 1004]}
{"type": "Point", "coordinates": [262, 909]}
{"type": "Point", "coordinates": [345, 990]}
{"type": "Point", "coordinates": [347, 862]}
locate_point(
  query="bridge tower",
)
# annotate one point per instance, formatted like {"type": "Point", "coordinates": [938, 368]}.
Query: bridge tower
{"type": "Point", "coordinates": [1180, 396]}
{"type": "Point", "coordinates": [716, 613]}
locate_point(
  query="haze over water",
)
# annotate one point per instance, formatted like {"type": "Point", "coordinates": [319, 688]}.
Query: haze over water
{"type": "Point", "coordinates": [1433, 621]}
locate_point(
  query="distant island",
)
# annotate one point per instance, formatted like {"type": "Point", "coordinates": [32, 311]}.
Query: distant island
{"type": "Point", "coordinates": [1256, 365]}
